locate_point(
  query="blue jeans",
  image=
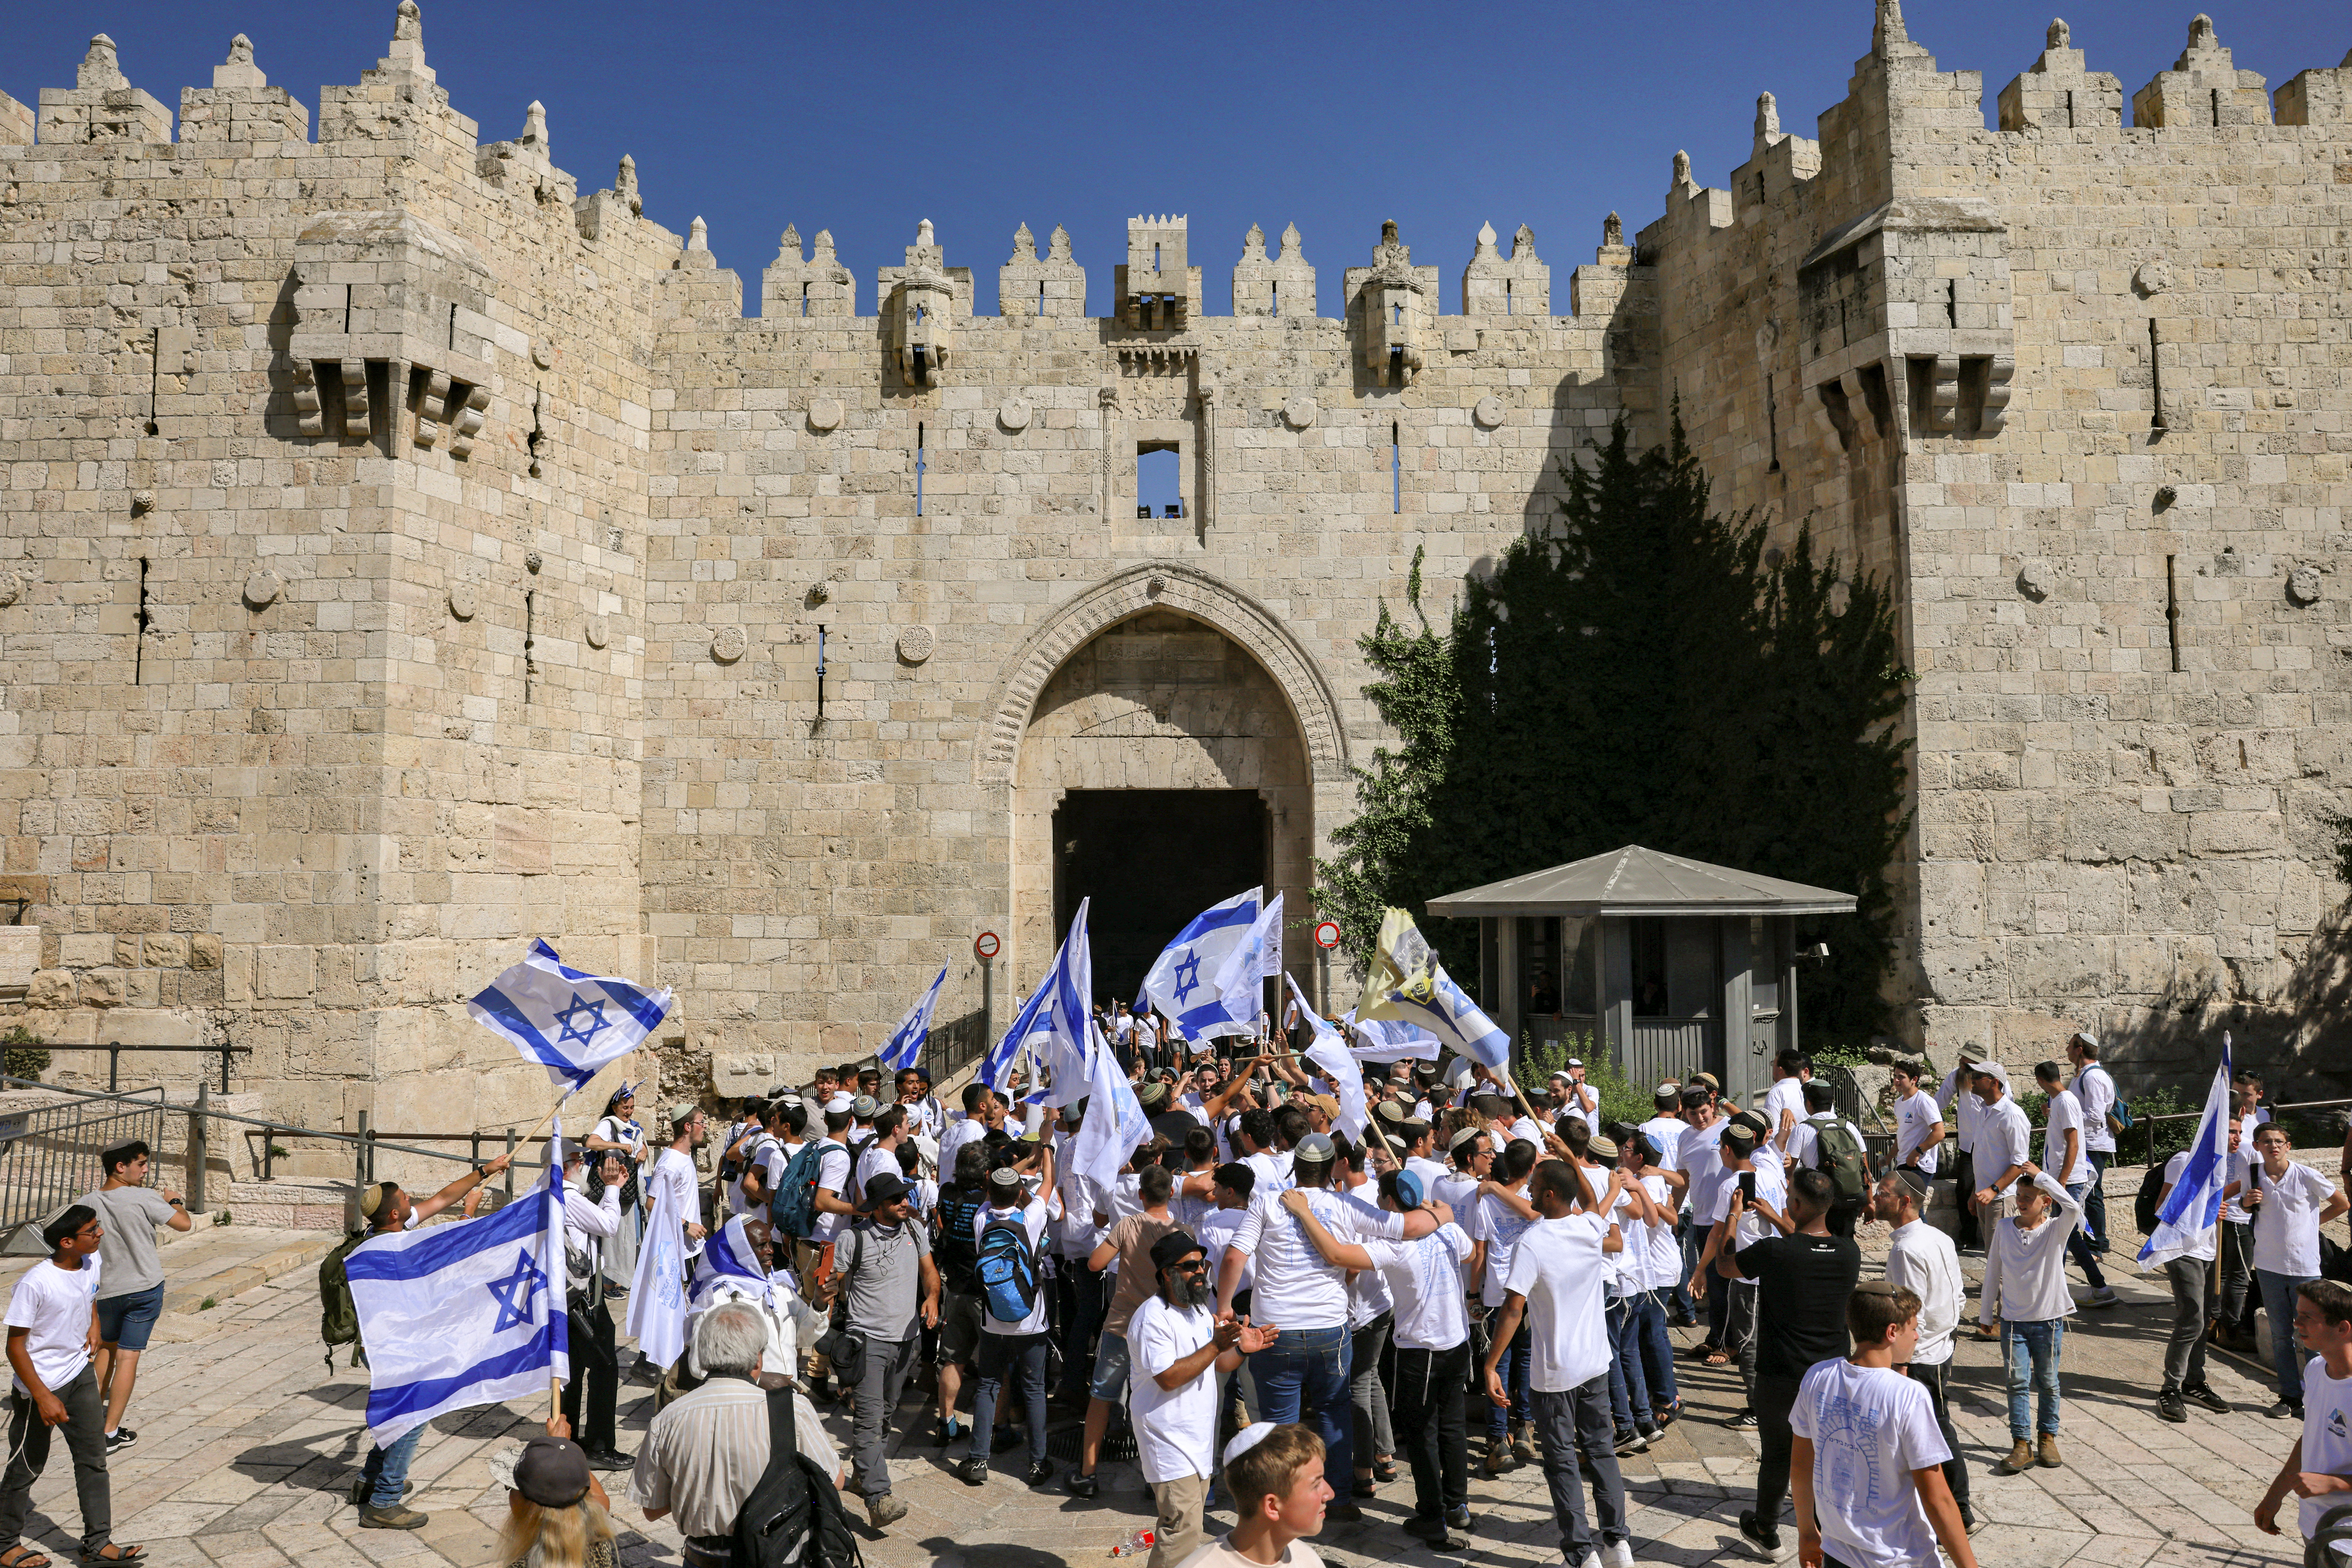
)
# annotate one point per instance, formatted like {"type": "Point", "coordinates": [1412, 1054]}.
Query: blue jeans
{"type": "Point", "coordinates": [2031, 1351]}
{"type": "Point", "coordinates": [1629, 1396]}
{"type": "Point", "coordinates": [2085, 1246]}
{"type": "Point", "coordinates": [1305, 1376]}
{"type": "Point", "coordinates": [1514, 1367]}
{"type": "Point", "coordinates": [2278, 1301]}
{"type": "Point", "coordinates": [1001, 1355]}
{"type": "Point", "coordinates": [386, 1473]}
{"type": "Point", "coordinates": [1643, 1344]}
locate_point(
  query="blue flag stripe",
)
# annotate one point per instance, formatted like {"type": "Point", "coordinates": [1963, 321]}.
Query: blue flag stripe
{"type": "Point", "coordinates": [634, 1002]}
{"type": "Point", "coordinates": [403, 1398]}
{"type": "Point", "coordinates": [437, 1248]}
{"type": "Point", "coordinates": [511, 1021]}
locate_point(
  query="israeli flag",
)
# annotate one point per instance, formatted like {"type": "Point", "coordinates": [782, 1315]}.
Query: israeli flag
{"type": "Point", "coordinates": [1270, 950]}
{"type": "Point", "coordinates": [728, 1256]}
{"type": "Point", "coordinates": [1186, 969]}
{"type": "Point", "coordinates": [905, 1042]}
{"type": "Point", "coordinates": [1330, 1052]}
{"type": "Point", "coordinates": [657, 1313]}
{"type": "Point", "coordinates": [459, 1315]}
{"type": "Point", "coordinates": [1066, 1050]}
{"type": "Point", "coordinates": [571, 1022]}
{"type": "Point", "coordinates": [1237, 995]}
{"type": "Point", "coordinates": [1115, 1123]}
{"type": "Point", "coordinates": [1407, 982]}
{"type": "Point", "coordinates": [1033, 1023]}
{"type": "Point", "coordinates": [1390, 1040]}
{"type": "Point", "coordinates": [2194, 1208]}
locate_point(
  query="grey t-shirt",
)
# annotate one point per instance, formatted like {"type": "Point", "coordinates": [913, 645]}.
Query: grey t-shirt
{"type": "Point", "coordinates": [126, 1252]}
{"type": "Point", "coordinates": [884, 1282]}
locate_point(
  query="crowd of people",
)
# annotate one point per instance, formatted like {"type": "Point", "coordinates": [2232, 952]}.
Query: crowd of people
{"type": "Point", "coordinates": [1262, 1290]}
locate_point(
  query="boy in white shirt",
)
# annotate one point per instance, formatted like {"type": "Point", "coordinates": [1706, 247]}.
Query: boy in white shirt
{"type": "Point", "coordinates": [1919, 1123]}
{"type": "Point", "coordinates": [2024, 1291]}
{"type": "Point", "coordinates": [2287, 1204]}
{"type": "Point", "coordinates": [1865, 1461]}
{"type": "Point", "coordinates": [2318, 1469]}
{"type": "Point", "coordinates": [2065, 1151]}
{"type": "Point", "coordinates": [52, 1328]}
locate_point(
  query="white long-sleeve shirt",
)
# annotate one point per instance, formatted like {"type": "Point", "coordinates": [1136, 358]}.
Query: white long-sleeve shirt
{"type": "Point", "coordinates": [1922, 1260]}
{"type": "Point", "coordinates": [587, 1225]}
{"type": "Point", "coordinates": [2025, 1270]}
{"type": "Point", "coordinates": [1954, 1091]}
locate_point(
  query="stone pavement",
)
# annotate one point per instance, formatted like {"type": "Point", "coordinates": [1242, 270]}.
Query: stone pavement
{"type": "Point", "coordinates": [248, 1445]}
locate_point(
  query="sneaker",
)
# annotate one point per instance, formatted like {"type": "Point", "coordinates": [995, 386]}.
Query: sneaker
{"type": "Point", "coordinates": [121, 1437]}
{"type": "Point", "coordinates": [1743, 1422]}
{"type": "Point", "coordinates": [2103, 1298]}
{"type": "Point", "coordinates": [399, 1516]}
{"type": "Point", "coordinates": [1618, 1554]}
{"type": "Point", "coordinates": [2204, 1395]}
{"type": "Point", "coordinates": [1459, 1517]}
{"type": "Point", "coordinates": [1763, 1541]}
{"type": "Point", "coordinates": [1498, 1457]}
{"type": "Point", "coordinates": [1630, 1444]}
{"type": "Point", "coordinates": [972, 1472]}
{"type": "Point", "coordinates": [884, 1510]}
{"type": "Point", "coordinates": [1967, 1520]}
{"type": "Point", "coordinates": [1428, 1529]}
{"type": "Point", "coordinates": [1522, 1450]}
{"type": "Point", "coordinates": [1083, 1485]}
{"type": "Point", "coordinates": [1041, 1472]}
{"type": "Point", "coordinates": [2168, 1407]}
{"type": "Point", "coordinates": [2285, 1409]}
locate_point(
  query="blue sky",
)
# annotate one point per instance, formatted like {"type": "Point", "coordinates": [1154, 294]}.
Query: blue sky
{"type": "Point", "coordinates": [982, 117]}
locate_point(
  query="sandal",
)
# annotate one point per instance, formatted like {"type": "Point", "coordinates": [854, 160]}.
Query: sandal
{"type": "Point", "coordinates": [120, 1553]}
{"type": "Point", "coordinates": [23, 1556]}
{"type": "Point", "coordinates": [1717, 1358]}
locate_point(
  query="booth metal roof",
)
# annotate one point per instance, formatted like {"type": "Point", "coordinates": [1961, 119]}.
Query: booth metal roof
{"type": "Point", "coordinates": [1638, 881]}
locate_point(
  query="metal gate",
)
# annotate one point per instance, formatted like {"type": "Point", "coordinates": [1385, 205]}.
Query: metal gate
{"type": "Point", "coordinates": [48, 1157]}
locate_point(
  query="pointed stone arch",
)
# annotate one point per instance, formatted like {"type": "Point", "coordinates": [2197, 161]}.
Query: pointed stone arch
{"type": "Point", "coordinates": [1162, 585]}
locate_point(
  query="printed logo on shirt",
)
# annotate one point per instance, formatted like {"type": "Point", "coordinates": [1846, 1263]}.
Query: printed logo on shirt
{"type": "Point", "coordinates": [2335, 1423]}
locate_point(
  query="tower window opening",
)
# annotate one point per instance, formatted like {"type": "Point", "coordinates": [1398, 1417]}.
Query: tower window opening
{"type": "Point", "coordinates": [1277, 299]}
{"type": "Point", "coordinates": [804, 299]}
{"type": "Point", "coordinates": [1951, 301]}
{"type": "Point", "coordinates": [1158, 479]}
{"type": "Point", "coordinates": [1507, 297]}
{"type": "Point", "coordinates": [1396, 468]}
{"type": "Point", "coordinates": [918, 469]}
{"type": "Point", "coordinates": [1155, 259]}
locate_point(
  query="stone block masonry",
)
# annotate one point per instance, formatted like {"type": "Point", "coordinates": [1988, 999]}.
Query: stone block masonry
{"type": "Point", "coordinates": [403, 554]}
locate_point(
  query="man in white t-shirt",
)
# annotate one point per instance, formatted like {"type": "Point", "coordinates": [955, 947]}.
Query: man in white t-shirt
{"type": "Point", "coordinates": [52, 1324]}
{"type": "Point", "coordinates": [1556, 1282]}
{"type": "Point", "coordinates": [2094, 1090]}
{"type": "Point", "coordinates": [1867, 1458]}
{"type": "Point", "coordinates": [1700, 1156]}
{"type": "Point", "coordinates": [1176, 1350]}
{"type": "Point", "coordinates": [2065, 1154]}
{"type": "Point", "coordinates": [2318, 1469]}
{"type": "Point", "coordinates": [1919, 1123]}
{"type": "Point", "coordinates": [2004, 1138]}
{"type": "Point", "coordinates": [1784, 1102]}
{"type": "Point", "coordinates": [2288, 1203]}
{"type": "Point", "coordinates": [1304, 1376]}
{"type": "Point", "coordinates": [1922, 1260]}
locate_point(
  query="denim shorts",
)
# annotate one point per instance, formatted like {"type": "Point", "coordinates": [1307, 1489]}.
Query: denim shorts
{"type": "Point", "coordinates": [125, 1321]}
{"type": "Point", "coordinates": [1110, 1368]}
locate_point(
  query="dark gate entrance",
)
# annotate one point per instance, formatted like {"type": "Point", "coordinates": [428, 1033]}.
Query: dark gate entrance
{"type": "Point", "coordinates": [1151, 859]}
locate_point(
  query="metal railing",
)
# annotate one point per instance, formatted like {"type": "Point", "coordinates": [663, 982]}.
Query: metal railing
{"type": "Point", "coordinates": [2197, 1115]}
{"type": "Point", "coordinates": [48, 1154]}
{"type": "Point", "coordinates": [114, 1049]}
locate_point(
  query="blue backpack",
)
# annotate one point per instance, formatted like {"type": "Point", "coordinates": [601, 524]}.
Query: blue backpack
{"type": "Point", "coordinates": [793, 1211]}
{"type": "Point", "coordinates": [1007, 1271]}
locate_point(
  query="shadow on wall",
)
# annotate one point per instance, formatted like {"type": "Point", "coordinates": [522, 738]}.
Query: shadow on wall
{"type": "Point", "coordinates": [2289, 1018]}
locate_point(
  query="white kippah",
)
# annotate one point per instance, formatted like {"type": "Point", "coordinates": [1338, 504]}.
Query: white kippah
{"type": "Point", "coordinates": [1245, 1439]}
{"type": "Point", "coordinates": [838, 1105]}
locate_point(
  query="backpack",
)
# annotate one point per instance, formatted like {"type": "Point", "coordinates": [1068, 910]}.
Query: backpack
{"type": "Point", "coordinates": [1007, 1270]}
{"type": "Point", "coordinates": [2150, 1199]}
{"type": "Point", "coordinates": [2119, 1111]}
{"type": "Point", "coordinates": [1842, 1158]}
{"type": "Point", "coordinates": [956, 1251]}
{"type": "Point", "coordinates": [792, 1210]}
{"type": "Point", "coordinates": [793, 1518]}
{"type": "Point", "coordinates": [339, 1319]}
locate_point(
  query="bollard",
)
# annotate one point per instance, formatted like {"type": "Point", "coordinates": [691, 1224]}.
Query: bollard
{"type": "Point", "coordinates": [510, 1149]}
{"type": "Point", "coordinates": [199, 1148]}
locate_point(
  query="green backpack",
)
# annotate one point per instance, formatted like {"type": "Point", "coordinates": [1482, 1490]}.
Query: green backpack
{"type": "Point", "coordinates": [339, 1319]}
{"type": "Point", "coordinates": [1842, 1158]}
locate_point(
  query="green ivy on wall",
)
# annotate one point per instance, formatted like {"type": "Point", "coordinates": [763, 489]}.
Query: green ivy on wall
{"type": "Point", "coordinates": [1643, 672]}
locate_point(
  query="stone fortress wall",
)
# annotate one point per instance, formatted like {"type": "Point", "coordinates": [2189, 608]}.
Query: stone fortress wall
{"type": "Point", "coordinates": [405, 555]}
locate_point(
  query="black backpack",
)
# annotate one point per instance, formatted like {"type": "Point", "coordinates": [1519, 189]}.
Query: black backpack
{"type": "Point", "coordinates": [956, 1251]}
{"type": "Point", "coordinates": [2150, 1200]}
{"type": "Point", "coordinates": [793, 1518]}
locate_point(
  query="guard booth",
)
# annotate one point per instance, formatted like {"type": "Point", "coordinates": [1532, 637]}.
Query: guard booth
{"type": "Point", "coordinates": [1672, 965]}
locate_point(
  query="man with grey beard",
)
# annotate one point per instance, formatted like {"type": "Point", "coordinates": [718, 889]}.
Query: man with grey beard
{"type": "Point", "coordinates": [1177, 1348]}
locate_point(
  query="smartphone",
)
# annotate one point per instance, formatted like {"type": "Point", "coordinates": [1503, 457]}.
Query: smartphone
{"type": "Point", "coordinates": [1748, 1186]}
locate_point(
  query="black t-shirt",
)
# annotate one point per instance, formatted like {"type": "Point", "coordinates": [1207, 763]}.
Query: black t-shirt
{"type": "Point", "coordinates": [1802, 1285]}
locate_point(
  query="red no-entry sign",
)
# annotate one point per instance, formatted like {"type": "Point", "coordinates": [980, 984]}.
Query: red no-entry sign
{"type": "Point", "coordinates": [1327, 933]}
{"type": "Point", "coordinates": [985, 944]}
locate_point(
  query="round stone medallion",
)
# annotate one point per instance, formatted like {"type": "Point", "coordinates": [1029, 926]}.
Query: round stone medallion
{"type": "Point", "coordinates": [462, 602]}
{"type": "Point", "coordinates": [2155, 275]}
{"type": "Point", "coordinates": [599, 630]}
{"type": "Point", "coordinates": [727, 643]}
{"type": "Point", "coordinates": [1298, 413]}
{"type": "Point", "coordinates": [12, 588]}
{"type": "Point", "coordinates": [1488, 412]}
{"type": "Point", "coordinates": [916, 643]}
{"type": "Point", "coordinates": [2302, 584]}
{"type": "Point", "coordinates": [1014, 414]}
{"type": "Point", "coordinates": [823, 414]}
{"type": "Point", "coordinates": [262, 588]}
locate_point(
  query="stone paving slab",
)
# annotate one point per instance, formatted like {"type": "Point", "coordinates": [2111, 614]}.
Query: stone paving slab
{"type": "Point", "coordinates": [248, 1445]}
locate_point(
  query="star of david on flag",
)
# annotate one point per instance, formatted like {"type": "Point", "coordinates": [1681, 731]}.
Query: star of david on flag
{"type": "Point", "coordinates": [569, 1021]}
{"type": "Point", "coordinates": [1183, 976]}
{"type": "Point", "coordinates": [459, 1315]}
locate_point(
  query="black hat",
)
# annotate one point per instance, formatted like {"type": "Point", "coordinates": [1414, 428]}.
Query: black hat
{"type": "Point", "coordinates": [1173, 1248]}
{"type": "Point", "coordinates": [888, 1187]}
{"type": "Point", "coordinates": [552, 1472]}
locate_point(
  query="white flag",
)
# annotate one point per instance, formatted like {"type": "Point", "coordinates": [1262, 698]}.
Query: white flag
{"type": "Point", "coordinates": [1329, 1052]}
{"type": "Point", "coordinates": [1270, 955]}
{"type": "Point", "coordinates": [656, 1315]}
{"type": "Point", "coordinates": [1115, 1122]}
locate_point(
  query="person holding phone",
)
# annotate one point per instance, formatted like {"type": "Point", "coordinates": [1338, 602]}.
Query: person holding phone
{"type": "Point", "coordinates": [1736, 1221]}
